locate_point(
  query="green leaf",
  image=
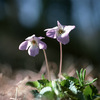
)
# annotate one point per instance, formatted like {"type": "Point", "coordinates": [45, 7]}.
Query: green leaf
{"type": "Point", "coordinates": [35, 84]}
{"type": "Point", "coordinates": [78, 77]}
{"type": "Point", "coordinates": [49, 84]}
{"type": "Point", "coordinates": [89, 92]}
{"type": "Point", "coordinates": [45, 89]}
{"type": "Point", "coordinates": [91, 82]}
{"type": "Point", "coordinates": [42, 76]}
{"type": "Point", "coordinates": [47, 93]}
{"type": "Point", "coordinates": [49, 96]}
{"type": "Point", "coordinates": [81, 74]}
{"type": "Point", "coordinates": [55, 87]}
{"type": "Point", "coordinates": [43, 82]}
{"type": "Point", "coordinates": [72, 87]}
{"type": "Point", "coordinates": [76, 81]}
{"type": "Point", "coordinates": [78, 74]}
{"type": "Point", "coordinates": [84, 73]}
{"type": "Point", "coordinates": [69, 88]}
{"type": "Point", "coordinates": [65, 83]}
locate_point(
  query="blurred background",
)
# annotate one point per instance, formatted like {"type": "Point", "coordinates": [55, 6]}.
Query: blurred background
{"type": "Point", "coordinates": [22, 18]}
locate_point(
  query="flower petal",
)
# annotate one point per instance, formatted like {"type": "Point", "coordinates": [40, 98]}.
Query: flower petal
{"type": "Point", "coordinates": [41, 37]}
{"type": "Point", "coordinates": [63, 40]}
{"type": "Point", "coordinates": [67, 29]}
{"type": "Point", "coordinates": [33, 51]}
{"type": "Point", "coordinates": [51, 33]}
{"type": "Point", "coordinates": [30, 37]}
{"type": "Point", "coordinates": [42, 45]}
{"type": "Point", "coordinates": [48, 29]}
{"type": "Point", "coordinates": [23, 45]}
{"type": "Point", "coordinates": [59, 25]}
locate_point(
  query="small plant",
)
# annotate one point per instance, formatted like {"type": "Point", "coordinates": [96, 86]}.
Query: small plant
{"type": "Point", "coordinates": [33, 44]}
{"type": "Point", "coordinates": [81, 77]}
{"type": "Point", "coordinates": [69, 88]}
{"type": "Point", "coordinates": [64, 87]}
{"type": "Point", "coordinates": [61, 33]}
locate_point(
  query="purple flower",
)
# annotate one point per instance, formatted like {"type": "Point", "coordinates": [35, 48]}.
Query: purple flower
{"type": "Point", "coordinates": [60, 32]}
{"type": "Point", "coordinates": [33, 44]}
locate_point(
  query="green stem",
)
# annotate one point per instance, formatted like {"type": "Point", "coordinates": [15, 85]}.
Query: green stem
{"type": "Point", "coordinates": [48, 72]}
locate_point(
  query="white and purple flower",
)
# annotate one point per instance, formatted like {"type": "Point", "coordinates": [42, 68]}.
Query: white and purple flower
{"type": "Point", "coordinates": [60, 32]}
{"type": "Point", "coordinates": [33, 44]}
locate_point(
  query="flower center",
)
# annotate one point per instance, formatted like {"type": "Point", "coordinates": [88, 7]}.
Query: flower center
{"type": "Point", "coordinates": [33, 42]}
{"type": "Point", "coordinates": [60, 31]}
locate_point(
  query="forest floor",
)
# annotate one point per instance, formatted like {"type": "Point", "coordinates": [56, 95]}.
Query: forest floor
{"type": "Point", "coordinates": [12, 83]}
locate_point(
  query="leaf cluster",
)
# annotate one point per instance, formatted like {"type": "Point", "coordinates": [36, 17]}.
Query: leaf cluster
{"type": "Point", "coordinates": [70, 88]}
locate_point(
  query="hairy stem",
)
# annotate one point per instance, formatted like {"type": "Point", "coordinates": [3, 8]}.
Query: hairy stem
{"type": "Point", "coordinates": [48, 72]}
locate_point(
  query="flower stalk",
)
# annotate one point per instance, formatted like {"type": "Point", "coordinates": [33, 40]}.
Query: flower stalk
{"type": "Point", "coordinates": [60, 66]}
{"type": "Point", "coordinates": [47, 66]}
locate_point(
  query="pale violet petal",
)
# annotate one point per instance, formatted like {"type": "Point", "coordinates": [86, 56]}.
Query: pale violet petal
{"type": "Point", "coordinates": [33, 51]}
{"type": "Point", "coordinates": [59, 25]}
{"type": "Point", "coordinates": [63, 40]}
{"type": "Point", "coordinates": [48, 29]}
{"type": "Point", "coordinates": [23, 45]}
{"type": "Point", "coordinates": [51, 34]}
{"type": "Point", "coordinates": [67, 29]}
{"type": "Point", "coordinates": [30, 37]}
{"type": "Point", "coordinates": [41, 37]}
{"type": "Point", "coordinates": [42, 45]}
